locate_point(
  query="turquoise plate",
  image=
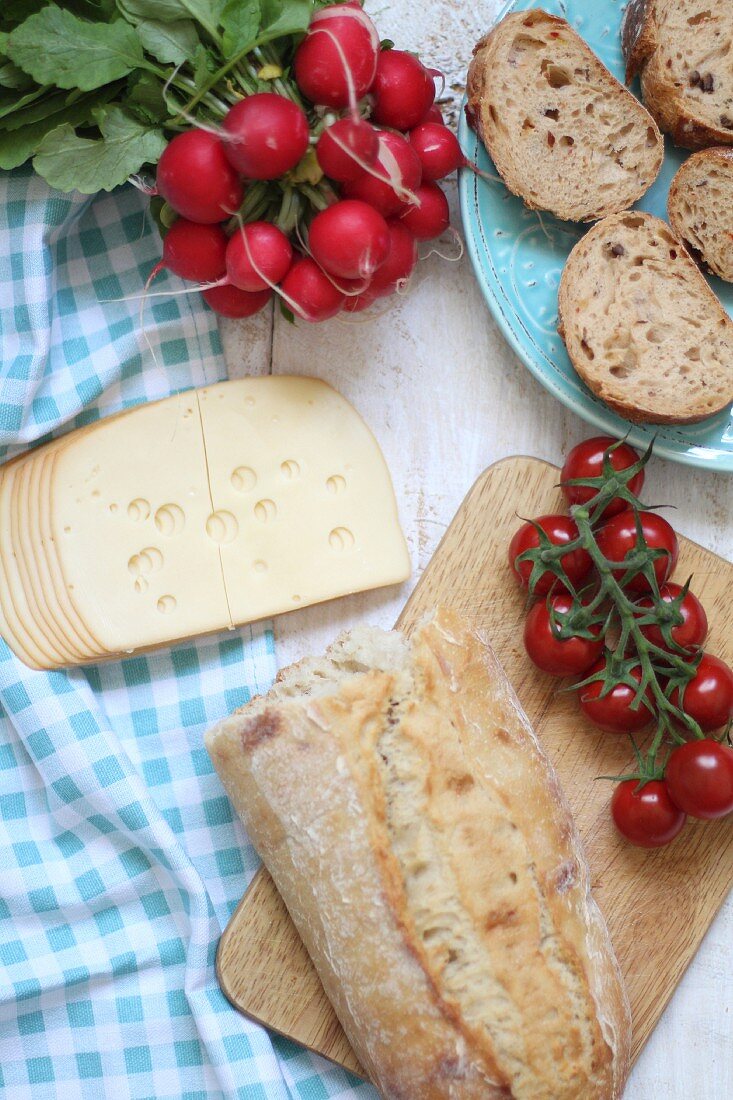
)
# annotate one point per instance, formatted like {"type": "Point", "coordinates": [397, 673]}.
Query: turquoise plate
{"type": "Point", "coordinates": [518, 258]}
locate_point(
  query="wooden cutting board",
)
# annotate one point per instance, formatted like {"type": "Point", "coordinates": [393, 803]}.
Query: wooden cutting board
{"type": "Point", "coordinates": [658, 904]}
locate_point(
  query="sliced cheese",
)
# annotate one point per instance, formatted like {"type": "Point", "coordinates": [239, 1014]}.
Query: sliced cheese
{"type": "Point", "coordinates": [130, 503]}
{"type": "Point", "coordinates": [23, 552]}
{"type": "Point", "coordinates": [193, 514]}
{"type": "Point", "coordinates": [19, 625]}
{"type": "Point", "coordinates": [59, 599]}
{"type": "Point", "coordinates": [304, 505]}
{"type": "Point", "coordinates": [29, 554]}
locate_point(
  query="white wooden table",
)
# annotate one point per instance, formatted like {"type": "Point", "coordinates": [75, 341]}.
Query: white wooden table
{"type": "Point", "coordinates": [446, 397]}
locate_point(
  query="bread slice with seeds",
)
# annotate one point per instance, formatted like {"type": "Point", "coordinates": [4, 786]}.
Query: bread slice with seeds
{"type": "Point", "coordinates": [683, 51]}
{"type": "Point", "coordinates": [700, 207]}
{"type": "Point", "coordinates": [642, 327]}
{"type": "Point", "coordinates": [563, 133]}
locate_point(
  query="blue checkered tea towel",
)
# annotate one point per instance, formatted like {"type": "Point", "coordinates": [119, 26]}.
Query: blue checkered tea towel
{"type": "Point", "coordinates": [120, 860]}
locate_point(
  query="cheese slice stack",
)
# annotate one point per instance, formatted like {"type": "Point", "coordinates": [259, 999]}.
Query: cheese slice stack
{"type": "Point", "coordinates": [206, 510]}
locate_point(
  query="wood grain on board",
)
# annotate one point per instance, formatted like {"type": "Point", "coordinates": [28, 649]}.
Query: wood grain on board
{"type": "Point", "coordinates": [658, 904]}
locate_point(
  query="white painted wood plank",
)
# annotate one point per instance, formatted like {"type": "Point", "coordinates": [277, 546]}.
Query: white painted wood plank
{"type": "Point", "coordinates": [446, 397]}
{"type": "Point", "coordinates": [248, 344]}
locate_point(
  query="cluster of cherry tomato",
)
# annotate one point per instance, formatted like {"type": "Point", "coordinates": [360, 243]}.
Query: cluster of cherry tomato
{"type": "Point", "coordinates": [351, 145]}
{"type": "Point", "coordinates": [696, 779]}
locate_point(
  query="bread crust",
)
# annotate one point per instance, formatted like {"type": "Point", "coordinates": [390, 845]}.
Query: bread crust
{"type": "Point", "coordinates": [484, 73]}
{"type": "Point", "coordinates": [704, 160]}
{"type": "Point", "coordinates": [638, 36]}
{"type": "Point", "coordinates": [574, 298]}
{"type": "Point", "coordinates": [641, 39]}
{"type": "Point", "coordinates": [364, 804]}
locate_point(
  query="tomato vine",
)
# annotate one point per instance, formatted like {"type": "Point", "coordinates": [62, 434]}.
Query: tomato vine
{"type": "Point", "coordinates": [620, 598]}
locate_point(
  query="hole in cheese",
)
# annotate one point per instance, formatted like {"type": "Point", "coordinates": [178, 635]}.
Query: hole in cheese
{"type": "Point", "coordinates": [265, 510]}
{"type": "Point", "coordinates": [336, 483]}
{"type": "Point", "coordinates": [138, 510]}
{"type": "Point", "coordinates": [290, 469]}
{"type": "Point", "coordinates": [341, 538]}
{"type": "Point", "coordinates": [170, 519]}
{"type": "Point", "coordinates": [222, 527]}
{"type": "Point", "coordinates": [243, 479]}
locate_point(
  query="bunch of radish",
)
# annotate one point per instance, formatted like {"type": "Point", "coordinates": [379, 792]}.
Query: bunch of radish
{"type": "Point", "coordinates": [318, 190]}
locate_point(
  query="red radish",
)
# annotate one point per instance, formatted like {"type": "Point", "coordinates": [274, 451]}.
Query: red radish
{"type": "Point", "coordinates": [196, 179]}
{"type": "Point", "coordinates": [335, 63]}
{"type": "Point", "coordinates": [194, 251]}
{"type": "Point", "coordinates": [438, 149]}
{"type": "Point", "coordinates": [349, 239]}
{"type": "Point", "coordinates": [345, 147]}
{"type": "Point", "coordinates": [403, 89]}
{"type": "Point", "coordinates": [309, 292]}
{"type": "Point", "coordinates": [431, 216]}
{"type": "Point", "coordinates": [230, 301]}
{"type": "Point", "coordinates": [267, 135]}
{"type": "Point", "coordinates": [358, 302]}
{"type": "Point", "coordinates": [397, 161]}
{"type": "Point", "coordinates": [351, 287]}
{"type": "Point", "coordinates": [400, 262]}
{"type": "Point", "coordinates": [435, 115]}
{"type": "Point", "coordinates": [258, 255]}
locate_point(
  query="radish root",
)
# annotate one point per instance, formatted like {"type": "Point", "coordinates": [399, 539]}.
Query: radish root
{"type": "Point", "coordinates": [348, 292]}
{"type": "Point", "coordinates": [456, 240]}
{"type": "Point", "coordinates": [361, 17]}
{"type": "Point", "coordinates": [393, 178]}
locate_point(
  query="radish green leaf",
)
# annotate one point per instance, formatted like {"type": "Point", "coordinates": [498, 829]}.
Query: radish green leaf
{"type": "Point", "coordinates": [72, 163]}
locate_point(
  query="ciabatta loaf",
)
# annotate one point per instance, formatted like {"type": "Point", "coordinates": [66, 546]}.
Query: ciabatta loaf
{"type": "Point", "coordinates": [642, 327]}
{"type": "Point", "coordinates": [425, 852]}
{"type": "Point", "coordinates": [561, 130]}
{"type": "Point", "coordinates": [700, 207]}
{"type": "Point", "coordinates": [683, 51]}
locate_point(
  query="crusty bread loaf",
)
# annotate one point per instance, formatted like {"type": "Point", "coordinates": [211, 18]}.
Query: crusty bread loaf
{"type": "Point", "coordinates": [561, 130]}
{"type": "Point", "coordinates": [700, 207]}
{"type": "Point", "coordinates": [421, 843]}
{"type": "Point", "coordinates": [642, 327]}
{"type": "Point", "coordinates": [683, 50]}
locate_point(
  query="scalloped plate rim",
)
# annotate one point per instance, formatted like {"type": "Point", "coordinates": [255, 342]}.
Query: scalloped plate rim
{"type": "Point", "coordinates": [549, 373]}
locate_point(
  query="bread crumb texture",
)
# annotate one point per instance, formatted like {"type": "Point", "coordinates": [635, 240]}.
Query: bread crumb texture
{"type": "Point", "coordinates": [683, 51]}
{"type": "Point", "coordinates": [494, 972]}
{"type": "Point", "coordinates": [564, 134]}
{"type": "Point", "coordinates": [700, 207]}
{"type": "Point", "coordinates": [641, 325]}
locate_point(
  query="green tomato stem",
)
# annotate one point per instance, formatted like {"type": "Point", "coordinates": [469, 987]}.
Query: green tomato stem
{"type": "Point", "coordinates": [631, 632]}
{"type": "Point", "coordinates": [656, 664]}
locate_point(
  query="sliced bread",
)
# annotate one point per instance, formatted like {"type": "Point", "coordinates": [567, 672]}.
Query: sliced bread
{"type": "Point", "coordinates": [642, 327]}
{"type": "Point", "coordinates": [561, 130]}
{"type": "Point", "coordinates": [700, 207]}
{"type": "Point", "coordinates": [683, 51]}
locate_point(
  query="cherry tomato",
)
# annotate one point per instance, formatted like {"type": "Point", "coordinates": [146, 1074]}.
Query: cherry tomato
{"type": "Point", "coordinates": [559, 657]}
{"type": "Point", "coordinates": [693, 629]}
{"type": "Point", "coordinates": [699, 778]}
{"type": "Point", "coordinates": [614, 712]}
{"type": "Point", "coordinates": [560, 530]}
{"type": "Point", "coordinates": [586, 460]}
{"type": "Point", "coordinates": [618, 537]}
{"type": "Point", "coordinates": [708, 697]}
{"type": "Point", "coordinates": [647, 818]}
